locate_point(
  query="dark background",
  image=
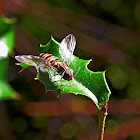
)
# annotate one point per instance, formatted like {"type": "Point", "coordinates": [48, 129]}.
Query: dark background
{"type": "Point", "coordinates": [108, 31]}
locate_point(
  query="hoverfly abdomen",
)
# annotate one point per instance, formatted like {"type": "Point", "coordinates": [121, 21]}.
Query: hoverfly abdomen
{"type": "Point", "coordinates": [49, 60]}
{"type": "Point", "coordinates": [55, 64]}
{"type": "Point", "coordinates": [45, 55]}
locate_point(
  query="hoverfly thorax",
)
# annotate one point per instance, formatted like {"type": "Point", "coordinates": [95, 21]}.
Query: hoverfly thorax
{"type": "Point", "coordinates": [68, 75]}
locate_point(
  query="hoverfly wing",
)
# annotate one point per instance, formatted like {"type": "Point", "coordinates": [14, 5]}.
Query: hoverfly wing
{"type": "Point", "coordinates": [69, 41]}
{"type": "Point", "coordinates": [67, 47]}
{"type": "Point", "coordinates": [30, 60]}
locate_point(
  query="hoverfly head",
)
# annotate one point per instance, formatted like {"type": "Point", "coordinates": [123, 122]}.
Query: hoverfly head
{"type": "Point", "coordinates": [69, 74]}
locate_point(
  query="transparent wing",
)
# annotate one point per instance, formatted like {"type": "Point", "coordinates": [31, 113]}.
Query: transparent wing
{"type": "Point", "coordinates": [30, 60]}
{"type": "Point", "coordinates": [67, 47]}
{"type": "Point", "coordinates": [69, 42]}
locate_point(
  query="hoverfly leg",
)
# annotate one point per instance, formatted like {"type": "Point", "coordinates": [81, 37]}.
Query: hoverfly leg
{"type": "Point", "coordinates": [71, 84]}
{"type": "Point", "coordinates": [61, 83]}
{"type": "Point", "coordinates": [54, 82]}
{"type": "Point", "coordinates": [54, 75]}
{"type": "Point", "coordinates": [67, 63]}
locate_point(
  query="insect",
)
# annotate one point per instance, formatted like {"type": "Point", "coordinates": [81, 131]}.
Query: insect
{"type": "Point", "coordinates": [55, 64]}
{"type": "Point", "coordinates": [67, 47]}
{"type": "Point", "coordinates": [50, 61]}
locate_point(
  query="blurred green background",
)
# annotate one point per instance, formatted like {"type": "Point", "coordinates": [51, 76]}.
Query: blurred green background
{"type": "Point", "coordinates": [108, 31]}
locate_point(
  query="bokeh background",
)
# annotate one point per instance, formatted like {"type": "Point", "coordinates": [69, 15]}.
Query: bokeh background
{"type": "Point", "coordinates": [108, 31]}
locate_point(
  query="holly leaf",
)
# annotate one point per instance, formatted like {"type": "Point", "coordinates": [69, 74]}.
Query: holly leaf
{"type": "Point", "coordinates": [6, 47]}
{"type": "Point", "coordinates": [86, 82]}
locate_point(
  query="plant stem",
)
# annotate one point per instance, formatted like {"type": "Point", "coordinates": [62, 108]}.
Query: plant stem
{"type": "Point", "coordinates": [102, 113]}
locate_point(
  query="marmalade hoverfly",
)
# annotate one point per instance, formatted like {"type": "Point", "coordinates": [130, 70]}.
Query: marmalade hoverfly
{"type": "Point", "coordinates": [49, 61]}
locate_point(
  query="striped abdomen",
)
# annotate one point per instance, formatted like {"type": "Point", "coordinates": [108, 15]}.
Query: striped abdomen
{"type": "Point", "coordinates": [52, 62]}
{"type": "Point", "coordinates": [55, 64]}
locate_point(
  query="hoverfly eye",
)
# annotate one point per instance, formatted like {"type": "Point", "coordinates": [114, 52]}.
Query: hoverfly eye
{"type": "Point", "coordinates": [66, 76]}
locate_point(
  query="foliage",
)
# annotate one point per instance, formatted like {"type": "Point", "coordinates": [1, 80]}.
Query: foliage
{"type": "Point", "coordinates": [86, 82]}
{"type": "Point", "coordinates": [6, 47]}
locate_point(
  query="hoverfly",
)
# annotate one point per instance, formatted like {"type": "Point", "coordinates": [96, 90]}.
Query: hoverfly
{"type": "Point", "coordinates": [49, 61]}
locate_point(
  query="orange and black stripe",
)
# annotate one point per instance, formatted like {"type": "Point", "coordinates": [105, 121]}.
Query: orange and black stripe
{"type": "Point", "coordinates": [54, 63]}
{"type": "Point", "coordinates": [44, 56]}
{"type": "Point", "coordinates": [50, 58]}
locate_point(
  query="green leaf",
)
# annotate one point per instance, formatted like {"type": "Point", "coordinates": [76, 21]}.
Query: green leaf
{"type": "Point", "coordinates": [6, 92]}
{"type": "Point", "coordinates": [6, 47]}
{"type": "Point", "coordinates": [7, 32]}
{"type": "Point", "coordinates": [86, 82]}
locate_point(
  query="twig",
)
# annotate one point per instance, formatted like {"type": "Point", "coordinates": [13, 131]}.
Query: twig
{"type": "Point", "coordinates": [102, 113]}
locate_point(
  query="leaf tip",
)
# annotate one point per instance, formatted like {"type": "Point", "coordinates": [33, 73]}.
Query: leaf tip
{"type": "Point", "coordinates": [20, 71]}
{"type": "Point", "coordinates": [17, 64]}
{"type": "Point", "coordinates": [35, 78]}
{"type": "Point", "coordinates": [89, 61]}
{"type": "Point", "coordinates": [9, 20]}
{"type": "Point", "coordinates": [16, 96]}
{"type": "Point", "coordinates": [105, 71]}
{"type": "Point", "coordinates": [52, 37]}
